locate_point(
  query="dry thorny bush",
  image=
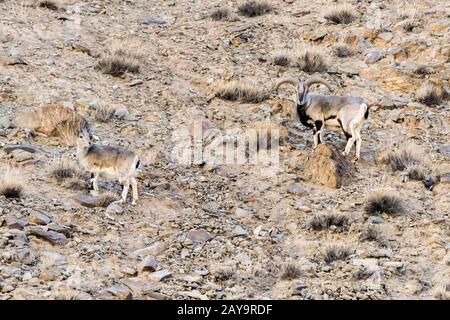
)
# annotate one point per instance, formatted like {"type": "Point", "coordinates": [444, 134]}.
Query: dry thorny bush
{"type": "Point", "coordinates": [341, 14]}
{"type": "Point", "coordinates": [325, 221]}
{"type": "Point", "coordinates": [308, 59]}
{"type": "Point", "coordinates": [241, 90]}
{"type": "Point", "coordinates": [430, 94]}
{"type": "Point", "coordinates": [252, 8]}
{"type": "Point", "coordinates": [336, 252]}
{"type": "Point", "coordinates": [122, 57]}
{"type": "Point", "coordinates": [221, 14]}
{"type": "Point", "coordinates": [11, 184]}
{"type": "Point", "coordinates": [290, 272]}
{"type": "Point", "coordinates": [384, 202]}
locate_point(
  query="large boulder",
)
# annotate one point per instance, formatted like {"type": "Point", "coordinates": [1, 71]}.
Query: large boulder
{"type": "Point", "coordinates": [328, 167]}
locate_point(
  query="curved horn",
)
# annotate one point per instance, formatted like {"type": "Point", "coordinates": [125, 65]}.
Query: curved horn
{"type": "Point", "coordinates": [294, 81]}
{"type": "Point", "coordinates": [313, 80]}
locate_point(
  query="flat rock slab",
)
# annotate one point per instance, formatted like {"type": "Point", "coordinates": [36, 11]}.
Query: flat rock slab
{"type": "Point", "coordinates": [295, 189]}
{"type": "Point", "coordinates": [8, 148]}
{"type": "Point", "coordinates": [155, 249]}
{"type": "Point", "coordinates": [149, 264]}
{"type": "Point", "coordinates": [154, 20]}
{"type": "Point", "coordinates": [14, 223]}
{"type": "Point", "coordinates": [200, 235]}
{"type": "Point", "coordinates": [160, 275]}
{"type": "Point", "coordinates": [87, 200]}
{"type": "Point", "coordinates": [21, 155]}
{"type": "Point", "coordinates": [39, 218]}
{"type": "Point", "coordinates": [50, 236]}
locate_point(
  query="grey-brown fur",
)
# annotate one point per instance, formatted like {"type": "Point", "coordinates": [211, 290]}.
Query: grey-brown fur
{"type": "Point", "coordinates": [110, 162]}
{"type": "Point", "coordinates": [318, 111]}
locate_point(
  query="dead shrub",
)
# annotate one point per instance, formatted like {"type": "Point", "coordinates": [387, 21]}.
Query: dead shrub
{"type": "Point", "coordinates": [417, 172]}
{"type": "Point", "coordinates": [123, 57]}
{"type": "Point", "coordinates": [341, 14]}
{"type": "Point", "coordinates": [342, 50]}
{"type": "Point", "coordinates": [105, 199]}
{"type": "Point", "coordinates": [311, 60]}
{"type": "Point", "coordinates": [48, 4]}
{"type": "Point", "coordinates": [11, 184]}
{"type": "Point", "coordinates": [282, 57]}
{"type": "Point", "coordinates": [336, 252]}
{"type": "Point", "coordinates": [423, 70]}
{"type": "Point", "coordinates": [374, 234]}
{"type": "Point", "coordinates": [241, 90]}
{"type": "Point", "coordinates": [401, 159]}
{"type": "Point", "coordinates": [252, 8]}
{"type": "Point", "coordinates": [308, 60]}
{"type": "Point", "coordinates": [430, 94]}
{"type": "Point", "coordinates": [64, 170]}
{"type": "Point", "coordinates": [290, 272]}
{"type": "Point", "coordinates": [221, 14]}
{"type": "Point", "coordinates": [383, 202]}
{"type": "Point", "coordinates": [325, 221]}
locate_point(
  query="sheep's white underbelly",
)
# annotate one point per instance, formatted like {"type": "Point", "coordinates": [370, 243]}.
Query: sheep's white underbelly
{"type": "Point", "coordinates": [109, 173]}
{"type": "Point", "coordinates": [332, 124]}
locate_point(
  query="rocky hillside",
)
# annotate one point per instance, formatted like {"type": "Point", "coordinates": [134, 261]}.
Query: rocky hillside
{"type": "Point", "coordinates": [320, 226]}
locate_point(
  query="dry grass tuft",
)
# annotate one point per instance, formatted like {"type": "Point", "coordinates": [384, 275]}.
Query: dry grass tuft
{"type": "Point", "coordinates": [430, 94]}
{"type": "Point", "coordinates": [11, 185]}
{"type": "Point", "coordinates": [224, 274]}
{"type": "Point", "coordinates": [384, 202]}
{"type": "Point", "coordinates": [105, 199]}
{"type": "Point", "coordinates": [283, 57]}
{"type": "Point", "coordinates": [311, 60]}
{"type": "Point", "coordinates": [241, 90]}
{"type": "Point", "coordinates": [336, 252]}
{"type": "Point", "coordinates": [75, 183]}
{"type": "Point", "coordinates": [402, 159]}
{"type": "Point", "coordinates": [65, 170]}
{"type": "Point", "coordinates": [373, 233]}
{"type": "Point", "coordinates": [101, 112]}
{"type": "Point", "coordinates": [417, 172]}
{"type": "Point", "coordinates": [68, 129]}
{"type": "Point", "coordinates": [290, 272]}
{"type": "Point", "coordinates": [362, 273]}
{"type": "Point", "coordinates": [48, 4]}
{"type": "Point", "coordinates": [221, 14]}
{"type": "Point", "coordinates": [342, 50]}
{"type": "Point", "coordinates": [423, 70]}
{"type": "Point", "coordinates": [325, 221]}
{"type": "Point", "coordinates": [308, 60]}
{"type": "Point", "coordinates": [252, 8]}
{"type": "Point", "coordinates": [119, 60]}
{"type": "Point", "coordinates": [341, 14]}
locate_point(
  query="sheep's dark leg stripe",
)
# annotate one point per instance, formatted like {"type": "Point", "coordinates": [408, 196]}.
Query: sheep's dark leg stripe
{"type": "Point", "coordinates": [347, 135]}
{"type": "Point", "coordinates": [318, 127]}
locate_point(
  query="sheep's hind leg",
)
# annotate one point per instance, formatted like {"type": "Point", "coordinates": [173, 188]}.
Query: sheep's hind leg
{"type": "Point", "coordinates": [350, 141]}
{"type": "Point", "coordinates": [358, 143]}
{"type": "Point", "coordinates": [134, 188]}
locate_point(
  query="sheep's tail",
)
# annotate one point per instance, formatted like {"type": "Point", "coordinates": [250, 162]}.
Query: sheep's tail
{"type": "Point", "coordinates": [365, 107]}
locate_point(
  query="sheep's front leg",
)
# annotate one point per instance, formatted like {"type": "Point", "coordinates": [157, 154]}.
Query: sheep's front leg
{"type": "Point", "coordinates": [315, 138]}
{"type": "Point", "coordinates": [318, 134]}
{"type": "Point", "coordinates": [94, 182]}
{"type": "Point", "coordinates": [126, 186]}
